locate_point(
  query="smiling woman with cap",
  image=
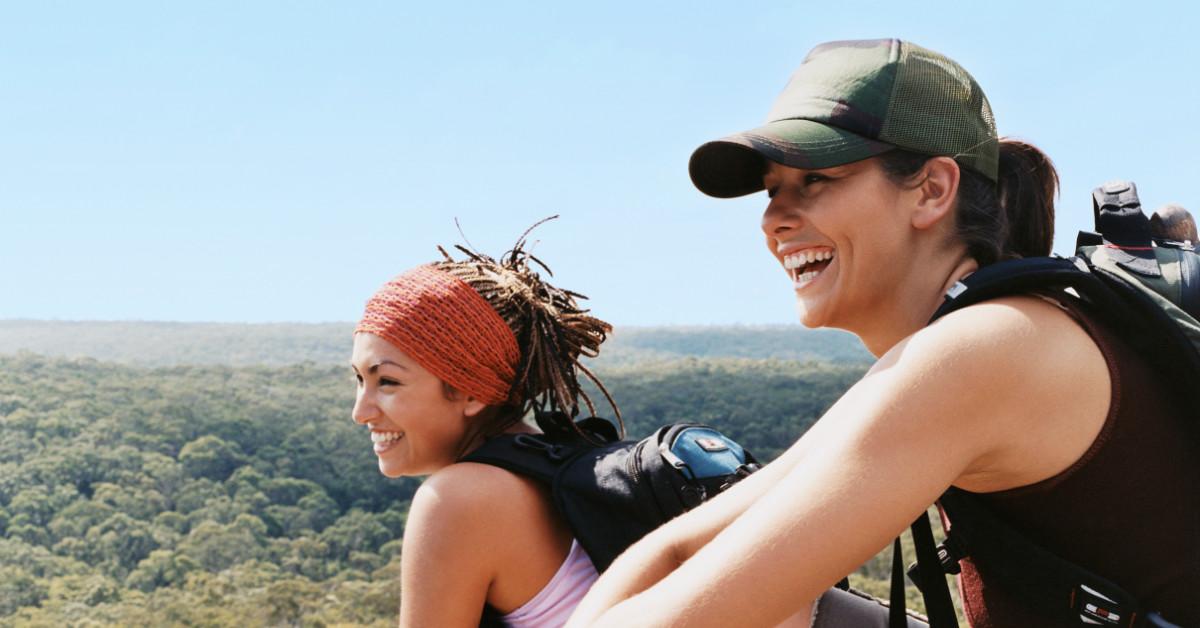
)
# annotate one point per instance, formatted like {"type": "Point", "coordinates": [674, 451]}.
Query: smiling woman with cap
{"type": "Point", "coordinates": [886, 185]}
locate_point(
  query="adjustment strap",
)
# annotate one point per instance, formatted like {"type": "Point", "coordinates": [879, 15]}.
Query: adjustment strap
{"type": "Point", "coordinates": [896, 609]}
{"type": "Point", "coordinates": [928, 577]}
{"type": "Point", "coordinates": [932, 580]}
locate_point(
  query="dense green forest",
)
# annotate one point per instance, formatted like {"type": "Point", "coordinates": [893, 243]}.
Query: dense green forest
{"type": "Point", "coordinates": [219, 495]}
{"type": "Point", "coordinates": [229, 344]}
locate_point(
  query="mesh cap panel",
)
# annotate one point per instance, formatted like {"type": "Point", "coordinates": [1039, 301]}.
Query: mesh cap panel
{"type": "Point", "coordinates": [850, 100]}
{"type": "Point", "coordinates": [938, 109]}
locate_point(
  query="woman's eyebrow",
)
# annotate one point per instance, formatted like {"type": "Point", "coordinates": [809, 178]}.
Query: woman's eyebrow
{"type": "Point", "coordinates": [375, 367]}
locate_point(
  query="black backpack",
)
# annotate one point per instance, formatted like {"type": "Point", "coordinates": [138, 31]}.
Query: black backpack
{"type": "Point", "coordinates": [613, 493]}
{"type": "Point", "coordinates": [1137, 282]}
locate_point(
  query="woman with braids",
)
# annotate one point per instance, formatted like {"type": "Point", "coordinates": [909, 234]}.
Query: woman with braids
{"type": "Point", "coordinates": [450, 354]}
{"type": "Point", "coordinates": [886, 185]}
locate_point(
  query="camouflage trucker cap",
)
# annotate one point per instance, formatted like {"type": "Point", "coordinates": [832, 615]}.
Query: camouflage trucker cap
{"type": "Point", "coordinates": [850, 100]}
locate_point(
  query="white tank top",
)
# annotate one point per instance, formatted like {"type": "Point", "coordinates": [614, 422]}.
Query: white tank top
{"type": "Point", "coordinates": [551, 607]}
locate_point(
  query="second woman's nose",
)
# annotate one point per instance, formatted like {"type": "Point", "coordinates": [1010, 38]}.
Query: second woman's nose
{"type": "Point", "coordinates": [779, 219]}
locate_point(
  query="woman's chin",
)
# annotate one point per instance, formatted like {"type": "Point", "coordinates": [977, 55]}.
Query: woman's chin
{"type": "Point", "coordinates": [391, 469]}
{"type": "Point", "coordinates": [808, 314]}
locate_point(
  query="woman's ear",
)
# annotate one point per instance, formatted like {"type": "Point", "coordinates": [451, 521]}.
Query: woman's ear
{"type": "Point", "coordinates": [936, 192]}
{"type": "Point", "coordinates": [473, 407]}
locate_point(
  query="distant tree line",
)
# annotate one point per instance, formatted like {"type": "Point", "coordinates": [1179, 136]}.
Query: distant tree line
{"type": "Point", "coordinates": [232, 344]}
{"type": "Point", "coordinates": [229, 496]}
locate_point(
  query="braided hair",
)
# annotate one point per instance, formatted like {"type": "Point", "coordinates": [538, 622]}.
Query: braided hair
{"type": "Point", "coordinates": [552, 332]}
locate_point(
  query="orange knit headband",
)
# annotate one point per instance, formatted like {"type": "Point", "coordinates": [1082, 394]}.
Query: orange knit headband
{"type": "Point", "coordinates": [449, 329]}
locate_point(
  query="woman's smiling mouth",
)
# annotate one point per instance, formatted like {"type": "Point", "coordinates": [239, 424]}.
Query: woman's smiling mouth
{"type": "Point", "coordinates": [804, 266]}
{"type": "Point", "coordinates": [385, 440]}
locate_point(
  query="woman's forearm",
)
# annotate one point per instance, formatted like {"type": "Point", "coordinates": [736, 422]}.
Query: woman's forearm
{"type": "Point", "coordinates": [636, 570]}
{"type": "Point", "coordinates": [665, 549]}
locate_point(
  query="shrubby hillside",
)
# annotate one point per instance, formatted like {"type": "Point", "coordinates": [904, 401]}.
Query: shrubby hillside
{"type": "Point", "coordinates": [173, 344]}
{"type": "Point", "coordinates": [189, 495]}
{"type": "Point", "coordinates": [218, 495]}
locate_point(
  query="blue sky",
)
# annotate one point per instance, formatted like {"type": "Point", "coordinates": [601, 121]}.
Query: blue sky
{"type": "Point", "coordinates": [277, 161]}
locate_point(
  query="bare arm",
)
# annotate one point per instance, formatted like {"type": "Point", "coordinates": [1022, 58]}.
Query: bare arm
{"type": "Point", "coordinates": [959, 401]}
{"type": "Point", "coordinates": [666, 548]}
{"type": "Point", "coordinates": [444, 569]}
{"type": "Point", "coordinates": [476, 534]}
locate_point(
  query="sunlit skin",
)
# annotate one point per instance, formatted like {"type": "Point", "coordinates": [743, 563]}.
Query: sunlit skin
{"type": "Point", "coordinates": [396, 395]}
{"type": "Point", "coordinates": [959, 403]}
{"type": "Point", "coordinates": [475, 533]}
{"type": "Point", "coordinates": [890, 244]}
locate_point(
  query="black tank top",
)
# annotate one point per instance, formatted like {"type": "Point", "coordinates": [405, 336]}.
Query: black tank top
{"type": "Point", "coordinates": [1128, 509]}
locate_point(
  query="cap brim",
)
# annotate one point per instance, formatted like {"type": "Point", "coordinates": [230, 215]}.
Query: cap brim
{"type": "Point", "coordinates": [734, 165]}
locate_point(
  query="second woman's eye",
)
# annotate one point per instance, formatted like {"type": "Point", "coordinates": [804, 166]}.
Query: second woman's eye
{"type": "Point", "coordinates": [814, 177]}
{"type": "Point", "coordinates": [387, 381]}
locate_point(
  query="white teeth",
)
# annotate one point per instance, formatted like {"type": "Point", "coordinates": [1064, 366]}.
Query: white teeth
{"type": "Point", "coordinates": [799, 260]}
{"type": "Point", "coordinates": [804, 278]}
{"type": "Point", "coordinates": [386, 437]}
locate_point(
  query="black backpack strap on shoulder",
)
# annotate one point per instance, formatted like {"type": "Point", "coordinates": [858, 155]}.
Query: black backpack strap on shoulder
{"type": "Point", "coordinates": [1124, 307]}
{"type": "Point", "coordinates": [1043, 274]}
{"type": "Point", "coordinates": [1011, 277]}
{"type": "Point", "coordinates": [530, 455]}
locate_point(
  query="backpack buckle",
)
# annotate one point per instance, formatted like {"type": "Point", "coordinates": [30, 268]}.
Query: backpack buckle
{"type": "Point", "coordinates": [949, 553]}
{"type": "Point", "coordinates": [1095, 608]}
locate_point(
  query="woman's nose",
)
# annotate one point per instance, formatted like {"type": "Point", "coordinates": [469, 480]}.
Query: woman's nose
{"type": "Point", "coordinates": [364, 408]}
{"type": "Point", "coordinates": [778, 218]}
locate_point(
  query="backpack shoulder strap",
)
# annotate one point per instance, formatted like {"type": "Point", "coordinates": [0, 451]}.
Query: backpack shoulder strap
{"type": "Point", "coordinates": [1173, 349]}
{"type": "Point", "coordinates": [1020, 276]}
{"type": "Point", "coordinates": [530, 455]}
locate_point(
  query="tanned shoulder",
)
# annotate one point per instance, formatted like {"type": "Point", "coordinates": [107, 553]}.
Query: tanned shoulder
{"type": "Point", "coordinates": [1039, 382]}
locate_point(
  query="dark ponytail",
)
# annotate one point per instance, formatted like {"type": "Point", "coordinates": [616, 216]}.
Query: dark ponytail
{"type": "Point", "coordinates": [1011, 218]}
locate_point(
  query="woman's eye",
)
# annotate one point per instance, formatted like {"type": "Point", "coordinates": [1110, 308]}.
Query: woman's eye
{"type": "Point", "coordinates": [358, 379]}
{"type": "Point", "coordinates": [384, 381]}
{"type": "Point", "coordinates": [813, 177]}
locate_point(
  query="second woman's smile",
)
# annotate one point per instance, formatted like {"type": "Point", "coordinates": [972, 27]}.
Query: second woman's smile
{"type": "Point", "coordinates": [804, 266]}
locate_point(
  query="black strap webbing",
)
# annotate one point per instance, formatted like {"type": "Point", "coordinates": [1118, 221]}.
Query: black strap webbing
{"type": "Point", "coordinates": [930, 579]}
{"type": "Point", "coordinates": [1152, 332]}
{"type": "Point", "coordinates": [523, 454]}
{"type": "Point", "coordinates": [896, 612]}
{"type": "Point", "coordinates": [938, 605]}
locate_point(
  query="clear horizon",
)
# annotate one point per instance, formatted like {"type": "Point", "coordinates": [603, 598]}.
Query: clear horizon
{"type": "Point", "coordinates": [277, 162]}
